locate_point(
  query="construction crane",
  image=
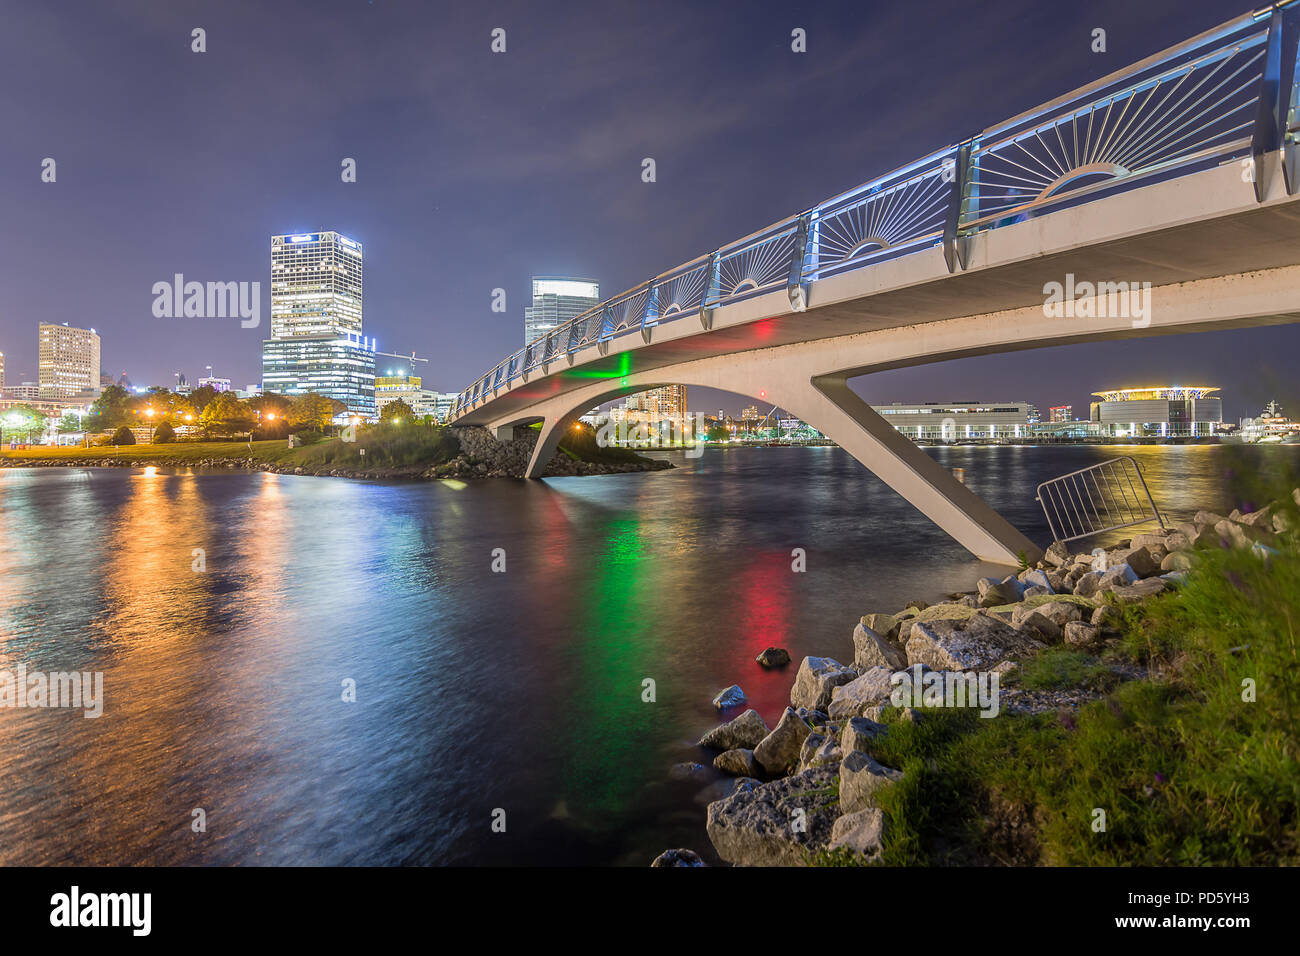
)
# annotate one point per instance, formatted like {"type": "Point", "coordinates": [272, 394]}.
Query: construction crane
{"type": "Point", "coordinates": [405, 358]}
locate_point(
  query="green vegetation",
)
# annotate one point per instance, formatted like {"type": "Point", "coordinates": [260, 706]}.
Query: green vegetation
{"type": "Point", "coordinates": [122, 436]}
{"type": "Point", "coordinates": [1196, 763]}
{"type": "Point", "coordinates": [579, 443]}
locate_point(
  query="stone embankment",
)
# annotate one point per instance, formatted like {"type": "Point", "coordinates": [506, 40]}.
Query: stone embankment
{"type": "Point", "coordinates": [811, 782]}
{"type": "Point", "coordinates": [481, 456]}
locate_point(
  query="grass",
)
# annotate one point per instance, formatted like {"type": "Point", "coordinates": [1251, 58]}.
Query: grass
{"type": "Point", "coordinates": [1188, 769]}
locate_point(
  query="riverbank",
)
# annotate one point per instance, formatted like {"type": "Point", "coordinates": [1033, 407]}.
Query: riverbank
{"type": "Point", "coordinates": [1142, 709]}
{"type": "Point", "coordinates": [379, 452]}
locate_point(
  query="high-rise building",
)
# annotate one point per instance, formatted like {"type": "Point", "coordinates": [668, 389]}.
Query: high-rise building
{"type": "Point", "coordinates": [666, 403]}
{"type": "Point", "coordinates": [1061, 413]}
{"type": "Point", "coordinates": [556, 300]}
{"type": "Point", "coordinates": [67, 361]}
{"type": "Point", "coordinates": [315, 285]}
{"type": "Point", "coordinates": [316, 342]}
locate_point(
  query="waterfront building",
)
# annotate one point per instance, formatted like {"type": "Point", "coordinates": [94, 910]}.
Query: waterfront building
{"type": "Point", "coordinates": [26, 392]}
{"type": "Point", "coordinates": [409, 389]}
{"type": "Point", "coordinates": [1061, 413]}
{"type": "Point", "coordinates": [958, 421]}
{"type": "Point", "coordinates": [1159, 411]}
{"type": "Point", "coordinates": [750, 413]}
{"type": "Point", "coordinates": [218, 384]}
{"type": "Point", "coordinates": [67, 361]}
{"type": "Point", "coordinates": [666, 403]}
{"type": "Point", "coordinates": [316, 342]}
{"type": "Point", "coordinates": [556, 300]}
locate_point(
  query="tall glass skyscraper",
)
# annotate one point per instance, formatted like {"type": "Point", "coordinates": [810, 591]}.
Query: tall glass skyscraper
{"type": "Point", "coordinates": [316, 342]}
{"type": "Point", "coordinates": [556, 300]}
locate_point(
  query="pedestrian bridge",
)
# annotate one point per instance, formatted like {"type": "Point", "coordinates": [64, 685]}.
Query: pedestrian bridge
{"type": "Point", "coordinates": [1157, 200]}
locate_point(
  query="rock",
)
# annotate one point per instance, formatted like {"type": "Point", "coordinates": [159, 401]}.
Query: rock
{"type": "Point", "coordinates": [1143, 562]}
{"type": "Point", "coordinates": [733, 696]}
{"type": "Point", "coordinates": [872, 650]}
{"type": "Point", "coordinates": [819, 750]}
{"type": "Point", "coordinates": [862, 832]}
{"type": "Point", "coordinates": [1057, 555]}
{"type": "Point", "coordinates": [817, 677]}
{"type": "Point", "coordinates": [744, 731]}
{"type": "Point", "coordinates": [1153, 539]}
{"type": "Point", "coordinates": [688, 771]}
{"type": "Point", "coordinates": [1037, 579]}
{"type": "Point", "coordinates": [1263, 518]}
{"type": "Point", "coordinates": [1078, 634]}
{"type": "Point", "coordinates": [1060, 613]}
{"type": "Point", "coordinates": [862, 734]}
{"type": "Point", "coordinates": [1178, 541]}
{"type": "Point", "coordinates": [1035, 590]}
{"type": "Point", "coordinates": [678, 857]}
{"type": "Point", "coordinates": [774, 657]}
{"type": "Point", "coordinates": [739, 763]}
{"type": "Point", "coordinates": [994, 593]}
{"type": "Point", "coordinates": [1242, 535]}
{"type": "Point", "coordinates": [861, 777]}
{"type": "Point", "coordinates": [873, 687]}
{"type": "Point", "coordinates": [778, 752]}
{"type": "Point", "coordinates": [1176, 561]}
{"type": "Point", "coordinates": [973, 644]}
{"type": "Point", "coordinates": [1048, 631]}
{"type": "Point", "coordinates": [1105, 616]}
{"type": "Point", "coordinates": [1089, 584]}
{"type": "Point", "coordinates": [886, 625]}
{"type": "Point", "coordinates": [1118, 576]}
{"type": "Point", "coordinates": [756, 827]}
{"type": "Point", "coordinates": [1139, 591]}
{"type": "Point", "coordinates": [1207, 518]}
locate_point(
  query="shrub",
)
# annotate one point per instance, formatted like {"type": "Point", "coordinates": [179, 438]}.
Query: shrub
{"type": "Point", "coordinates": [163, 434]}
{"type": "Point", "coordinates": [122, 436]}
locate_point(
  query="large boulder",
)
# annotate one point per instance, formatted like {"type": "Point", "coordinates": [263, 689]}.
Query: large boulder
{"type": "Point", "coordinates": [778, 752]}
{"type": "Point", "coordinates": [1144, 561]}
{"type": "Point", "coordinates": [993, 593]}
{"type": "Point", "coordinates": [862, 833]}
{"type": "Point", "coordinates": [1078, 634]}
{"type": "Point", "coordinates": [817, 677]}
{"type": "Point", "coordinates": [872, 650]}
{"type": "Point", "coordinates": [744, 731]}
{"type": "Point", "coordinates": [1176, 561]}
{"type": "Point", "coordinates": [1117, 576]}
{"type": "Point", "coordinates": [868, 690]}
{"type": "Point", "coordinates": [1035, 578]}
{"type": "Point", "coordinates": [861, 777]}
{"type": "Point", "coordinates": [739, 763]}
{"type": "Point", "coordinates": [863, 734]}
{"type": "Point", "coordinates": [976, 643]}
{"type": "Point", "coordinates": [780, 823]}
{"type": "Point", "coordinates": [886, 625]}
{"type": "Point", "coordinates": [819, 750]}
{"type": "Point", "coordinates": [1088, 584]}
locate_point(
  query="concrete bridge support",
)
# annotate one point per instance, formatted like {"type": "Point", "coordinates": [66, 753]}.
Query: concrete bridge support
{"type": "Point", "coordinates": [827, 404]}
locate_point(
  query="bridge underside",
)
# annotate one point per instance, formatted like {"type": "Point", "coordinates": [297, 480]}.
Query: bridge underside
{"type": "Point", "coordinates": [1217, 259]}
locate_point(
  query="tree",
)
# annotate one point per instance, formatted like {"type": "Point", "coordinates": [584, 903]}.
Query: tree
{"type": "Point", "coordinates": [226, 415]}
{"type": "Point", "coordinates": [201, 396]}
{"type": "Point", "coordinates": [110, 408]}
{"type": "Point", "coordinates": [163, 434]}
{"type": "Point", "coordinates": [312, 411]}
{"type": "Point", "coordinates": [718, 433]}
{"type": "Point", "coordinates": [69, 423]}
{"type": "Point", "coordinates": [396, 410]}
{"type": "Point", "coordinates": [122, 436]}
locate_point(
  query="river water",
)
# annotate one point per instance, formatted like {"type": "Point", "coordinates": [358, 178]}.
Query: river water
{"type": "Point", "coordinates": [481, 695]}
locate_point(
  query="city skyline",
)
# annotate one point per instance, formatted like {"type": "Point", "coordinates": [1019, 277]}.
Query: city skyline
{"type": "Point", "coordinates": [451, 210]}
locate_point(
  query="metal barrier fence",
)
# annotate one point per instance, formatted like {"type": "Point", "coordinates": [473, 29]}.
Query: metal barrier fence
{"type": "Point", "coordinates": [1229, 94]}
{"type": "Point", "coordinates": [1099, 498]}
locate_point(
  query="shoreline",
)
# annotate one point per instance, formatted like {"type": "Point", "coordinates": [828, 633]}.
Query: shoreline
{"type": "Point", "coordinates": [855, 760]}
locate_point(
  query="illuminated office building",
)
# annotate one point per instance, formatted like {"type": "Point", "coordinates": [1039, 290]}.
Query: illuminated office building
{"type": "Point", "coordinates": [556, 300]}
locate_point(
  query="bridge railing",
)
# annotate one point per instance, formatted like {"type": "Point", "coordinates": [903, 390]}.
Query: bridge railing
{"type": "Point", "coordinates": [1229, 94]}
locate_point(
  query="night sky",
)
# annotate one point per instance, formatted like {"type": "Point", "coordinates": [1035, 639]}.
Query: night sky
{"type": "Point", "coordinates": [478, 170]}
